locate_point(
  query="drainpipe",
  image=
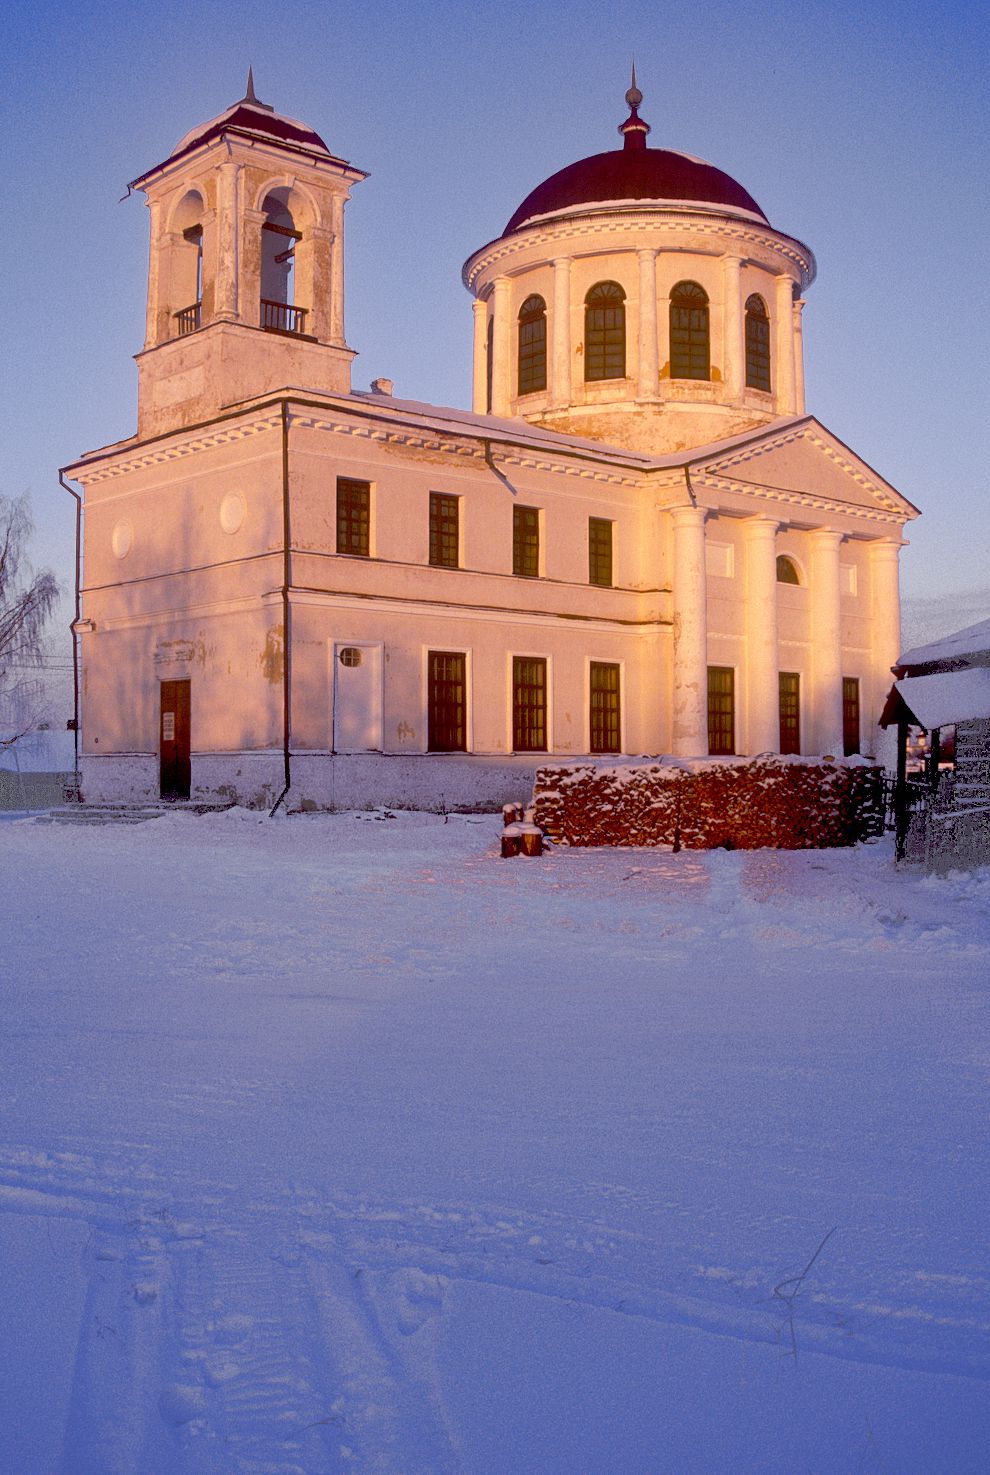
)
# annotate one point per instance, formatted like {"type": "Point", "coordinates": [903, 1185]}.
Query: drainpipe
{"type": "Point", "coordinates": [75, 620]}
{"type": "Point", "coordinates": [286, 611]}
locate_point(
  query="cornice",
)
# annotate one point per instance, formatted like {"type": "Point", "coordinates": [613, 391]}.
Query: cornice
{"type": "Point", "coordinates": [812, 502]}
{"type": "Point", "coordinates": [160, 454]}
{"type": "Point", "coordinates": [465, 448]}
{"type": "Point", "coordinates": [627, 223]}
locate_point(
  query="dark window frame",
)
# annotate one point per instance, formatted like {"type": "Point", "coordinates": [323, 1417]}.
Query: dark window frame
{"type": "Point", "coordinates": [600, 552]}
{"type": "Point", "coordinates": [852, 735]}
{"type": "Point", "coordinates": [446, 701]}
{"type": "Point", "coordinates": [690, 332]}
{"type": "Point", "coordinates": [445, 530]}
{"type": "Point", "coordinates": [721, 711]}
{"type": "Point", "coordinates": [353, 517]}
{"type": "Point", "coordinates": [604, 333]}
{"type": "Point", "coordinates": [526, 542]}
{"type": "Point", "coordinates": [757, 344]}
{"type": "Point", "coordinates": [789, 707]}
{"type": "Point", "coordinates": [531, 354]}
{"type": "Point", "coordinates": [529, 704]}
{"type": "Point", "coordinates": [604, 707]}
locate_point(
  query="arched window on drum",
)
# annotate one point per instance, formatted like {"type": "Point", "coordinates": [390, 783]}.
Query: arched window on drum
{"type": "Point", "coordinates": [757, 344]}
{"type": "Point", "coordinates": [532, 356]}
{"type": "Point", "coordinates": [605, 332]}
{"type": "Point", "coordinates": [690, 348]}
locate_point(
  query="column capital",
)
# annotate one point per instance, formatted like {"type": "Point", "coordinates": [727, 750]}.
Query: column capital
{"type": "Point", "coordinates": [560, 260]}
{"type": "Point", "coordinates": [761, 526]}
{"type": "Point", "coordinates": [646, 252]}
{"type": "Point", "coordinates": [732, 258]}
{"type": "Point", "coordinates": [688, 515]}
{"type": "Point", "coordinates": [827, 537]}
{"type": "Point", "coordinates": [479, 307]}
{"type": "Point", "coordinates": [889, 548]}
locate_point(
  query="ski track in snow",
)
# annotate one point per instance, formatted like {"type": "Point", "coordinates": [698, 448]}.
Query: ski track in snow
{"type": "Point", "coordinates": [282, 1327]}
{"type": "Point", "coordinates": [295, 1336]}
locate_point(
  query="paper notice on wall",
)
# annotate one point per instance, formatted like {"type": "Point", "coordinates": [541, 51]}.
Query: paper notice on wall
{"type": "Point", "coordinates": [168, 727]}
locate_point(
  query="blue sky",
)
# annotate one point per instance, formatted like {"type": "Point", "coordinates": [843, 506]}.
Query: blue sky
{"type": "Point", "coordinates": [862, 133]}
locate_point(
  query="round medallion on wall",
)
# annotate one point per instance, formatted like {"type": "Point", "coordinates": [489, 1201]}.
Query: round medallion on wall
{"type": "Point", "coordinates": [232, 511]}
{"type": "Point", "coordinates": [121, 538]}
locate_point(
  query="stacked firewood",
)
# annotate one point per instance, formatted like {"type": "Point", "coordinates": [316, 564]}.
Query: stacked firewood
{"type": "Point", "coordinates": [785, 803]}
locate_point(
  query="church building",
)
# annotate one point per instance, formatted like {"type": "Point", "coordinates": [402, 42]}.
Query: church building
{"type": "Point", "coordinates": [637, 541]}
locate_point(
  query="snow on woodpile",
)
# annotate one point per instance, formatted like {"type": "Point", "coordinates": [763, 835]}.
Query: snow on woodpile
{"type": "Point", "coordinates": [788, 803]}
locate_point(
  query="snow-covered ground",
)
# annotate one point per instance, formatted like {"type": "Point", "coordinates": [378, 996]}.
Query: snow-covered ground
{"type": "Point", "coordinates": [337, 1143]}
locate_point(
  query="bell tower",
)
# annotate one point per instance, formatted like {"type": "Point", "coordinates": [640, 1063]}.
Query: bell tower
{"type": "Point", "coordinates": [246, 272]}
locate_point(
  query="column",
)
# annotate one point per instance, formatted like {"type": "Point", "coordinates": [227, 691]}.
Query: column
{"type": "Point", "coordinates": [885, 644]}
{"type": "Point", "coordinates": [799, 306]}
{"type": "Point", "coordinates": [733, 332]}
{"type": "Point", "coordinates": [762, 659]}
{"type": "Point", "coordinates": [783, 358]}
{"type": "Point", "coordinates": [502, 346]}
{"type": "Point", "coordinates": [314, 284]}
{"type": "Point", "coordinates": [249, 288]}
{"type": "Point", "coordinates": [649, 368]}
{"type": "Point", "coordinates": [479, 362]}
{"type": "Point", "coordinates": [560, 374]}
{"type": "Point", "coordinates": [227, 273]}
{"type": "Point", "coordinates": [337, 272]}
{"type": "Point", "coordinates": [154, 275]}
{"type": "Point", "coordinates": [690, 710]}
{"type": "Point", "coordinates": [825, 726]}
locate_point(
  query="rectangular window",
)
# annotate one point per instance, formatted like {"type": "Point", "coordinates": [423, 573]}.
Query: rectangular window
{"type": "Point", "coordinates": [529, 704]}
{"type": "Point", "coordinates": [526, 541]}
{"type": "Point", "coordinates": [444, 530]}
{"type": "Point", "coordinates": [850, 715]}
{"type": "Point", "coordinates": [353, 516]}
{"type": "Point", "coordinates": [605, 725]}
{"type": "Point", "coordinates": [789, 683]}
{"type": "Point", "coordinates": [721, 709]}
{"type": "Point", "coordinates": [600, 552]}
{"type": "Point", "coordinates": [446, 702]}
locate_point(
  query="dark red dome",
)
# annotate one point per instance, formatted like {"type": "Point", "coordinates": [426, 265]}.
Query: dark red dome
{"type": "Point", "coordinates": [635, 174]}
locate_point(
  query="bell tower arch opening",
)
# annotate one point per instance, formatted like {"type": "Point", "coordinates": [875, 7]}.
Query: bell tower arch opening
{"type": "Point", "coordinates": [186, 281]}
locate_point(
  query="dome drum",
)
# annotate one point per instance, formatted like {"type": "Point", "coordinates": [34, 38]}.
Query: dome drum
{"type": "Point", "coordinates": [651, 222]}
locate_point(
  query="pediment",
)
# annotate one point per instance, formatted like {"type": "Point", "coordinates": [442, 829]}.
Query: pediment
{"type": "Point", "coordinates": [800, 465]}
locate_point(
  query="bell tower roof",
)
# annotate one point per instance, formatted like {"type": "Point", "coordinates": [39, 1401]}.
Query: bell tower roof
{"type": "Point", "coordinates": [251, 120]}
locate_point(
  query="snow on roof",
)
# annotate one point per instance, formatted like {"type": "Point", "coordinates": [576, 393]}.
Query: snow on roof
{"type": "Point", "coordinates": [974, 640]}
{"type": "Point", "coordinates": [947, 697]}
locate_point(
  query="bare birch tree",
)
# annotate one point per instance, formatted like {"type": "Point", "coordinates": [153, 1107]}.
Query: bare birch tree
{"type": "Point", "coordinates": [27, 599]}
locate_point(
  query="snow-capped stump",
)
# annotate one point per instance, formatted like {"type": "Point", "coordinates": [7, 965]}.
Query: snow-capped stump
{"type": "Point", "coordinates": [511, 840]}
{"type": "Point", "coordinates": [784, 802]}
{"type": "Point", "coordinates": [530, 839]}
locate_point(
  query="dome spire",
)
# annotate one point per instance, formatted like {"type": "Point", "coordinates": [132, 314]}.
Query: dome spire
{"type": "Point", "coordinates": [634, 130]}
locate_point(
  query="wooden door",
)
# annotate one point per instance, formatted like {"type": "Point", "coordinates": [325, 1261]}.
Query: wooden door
{"type": "Point", "coordinates": [174, 740]}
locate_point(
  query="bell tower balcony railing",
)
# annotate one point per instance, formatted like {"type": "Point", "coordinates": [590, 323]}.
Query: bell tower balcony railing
{"type": "Point", "coordinates": [282, 317]}
{"type": "Point", "coordinates": [188, 319]}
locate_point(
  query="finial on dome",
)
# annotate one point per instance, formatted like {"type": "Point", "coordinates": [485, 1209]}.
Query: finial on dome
{"type": "Point", "coordinates": [634, 130]}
